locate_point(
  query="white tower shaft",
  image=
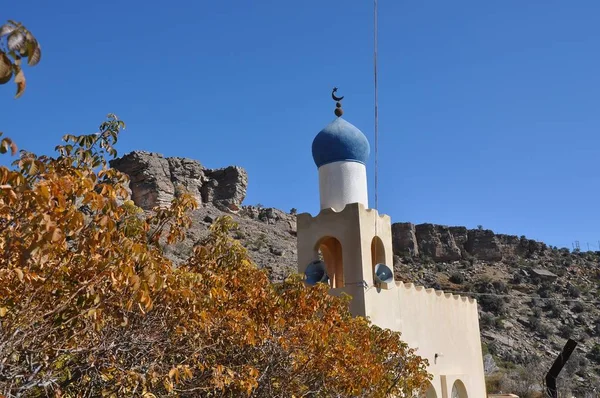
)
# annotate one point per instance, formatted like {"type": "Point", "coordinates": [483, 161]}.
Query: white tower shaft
{"type": "Point", "coordinates": [341, 183]}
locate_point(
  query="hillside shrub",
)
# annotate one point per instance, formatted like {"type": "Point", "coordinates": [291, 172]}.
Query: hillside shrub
{"type": "Point", "coordinates": [574, 291]}
{"type": "Point", "coordinates": [90, 306]}
{"type": "Point", "coordinates": [565, 331]}
{"type": "Point", "coordinates": [457, 277]}
{"type": "Point", "coordinates": [534, 323]}
{"type": "Point", "coordinates": [500, 286]}
{"type": "Point", "coordinates": [551, 306]}
{"type": "Point", "coordinates": [492, 304]}
{"type": "Point", "coordinates": [544, 330]}
{"type": "Point", "coordinates": [517, 278]}
{"type": "Point", "coordinates": [578, 307]}
{"type": "Point", "coordinates": [545, 290]}
{"type": "Point", "coordinates": [594, 354]}
{"type": "Point", "coordinates": [557, 312]}
{"type": "Point", "coordinates": [487, 319]}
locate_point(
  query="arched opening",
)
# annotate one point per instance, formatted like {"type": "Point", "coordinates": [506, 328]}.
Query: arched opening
{"type": "Point", "coordinates": [377, 252]}
{"type": "Point", "coordinates": [329, 250]}
{"type": "Point", "coordinates": [459, 390]}
{"type": "Point", "coordinates": [429, 392]}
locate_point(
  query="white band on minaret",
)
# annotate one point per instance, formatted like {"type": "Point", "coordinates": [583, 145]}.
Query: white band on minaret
{"type": "Point", "coordinates": [341, 183]}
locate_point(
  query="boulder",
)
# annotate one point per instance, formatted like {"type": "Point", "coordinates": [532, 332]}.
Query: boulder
{"type": "Point", "coordinates": [489, 365]}
{"type": "Point", "coordinates": [544, 274]}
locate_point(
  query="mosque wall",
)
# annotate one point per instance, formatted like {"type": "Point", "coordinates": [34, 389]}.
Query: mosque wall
{"type": "Point", "coordinates": [432, 322]}
{"type": "Point", "coordinates": [441, 327]}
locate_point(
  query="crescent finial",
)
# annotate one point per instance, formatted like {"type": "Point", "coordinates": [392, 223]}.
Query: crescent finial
{"type": "Point", "coordinates": [336, 98]}
{"type": "Point", "coordinates": [338, 105]}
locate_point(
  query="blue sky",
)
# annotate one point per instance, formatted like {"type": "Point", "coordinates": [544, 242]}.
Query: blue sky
{"type": "Point", "coordinates": [488, 111]}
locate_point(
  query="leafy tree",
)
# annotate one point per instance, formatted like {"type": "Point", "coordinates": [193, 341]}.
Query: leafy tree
{"type": "Point", "coordinates": [90, 306]}
{"type": "Point", "coordinates": [20, 43]}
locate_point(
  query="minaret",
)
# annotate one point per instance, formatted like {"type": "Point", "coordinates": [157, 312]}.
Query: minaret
{"type": "Point", "coordinates": [353, 240]}
{"type": "Point", "coordinates": [340, 152]}
{"type": "Point", "coordinates": [349, 247]}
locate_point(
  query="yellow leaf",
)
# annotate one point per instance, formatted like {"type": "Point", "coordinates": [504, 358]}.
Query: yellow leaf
{"type": "Point", "coordinates": [19, 273]}
{"type": "Point", "coordinates": [3, 311]}
{"type": "Point", "coordinates": [168, 385]}
{"type": "Point", "coordinates": [174, 373]}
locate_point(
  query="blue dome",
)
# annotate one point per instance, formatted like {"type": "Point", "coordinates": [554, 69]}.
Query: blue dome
{"type": "Point", "coordinates": [340, 140]}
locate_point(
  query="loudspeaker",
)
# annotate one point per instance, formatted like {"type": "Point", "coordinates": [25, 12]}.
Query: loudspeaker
{"type": "Point", "coordinates": [383, 274]}
{"type": "Point", "coordinates": [316, 272]}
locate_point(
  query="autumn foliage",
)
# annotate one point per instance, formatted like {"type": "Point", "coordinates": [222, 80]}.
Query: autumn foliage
{"type": "Point", "coordinates": [90, 307]}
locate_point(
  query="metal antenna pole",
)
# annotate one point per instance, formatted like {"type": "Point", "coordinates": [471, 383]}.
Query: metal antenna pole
{"type": "Point", "coordinates": [376, 101]}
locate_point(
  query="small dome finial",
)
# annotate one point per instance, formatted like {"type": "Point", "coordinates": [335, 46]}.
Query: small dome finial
{"type": "Point", "coordinates": [338, 105]}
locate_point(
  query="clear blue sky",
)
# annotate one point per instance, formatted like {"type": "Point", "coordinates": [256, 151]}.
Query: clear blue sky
{"type": "Point", "coordinates": [489, 111]}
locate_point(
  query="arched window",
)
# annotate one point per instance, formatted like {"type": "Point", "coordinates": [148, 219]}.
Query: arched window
{"type": "Point", "coordinates": [330, 251]}
{"type": "Point", "coordinates": [459, 390]}
{"type": "Point", "coordinates": [377, 252]}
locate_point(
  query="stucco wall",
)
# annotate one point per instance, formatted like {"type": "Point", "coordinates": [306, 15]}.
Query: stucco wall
{"type": "Point", "coordinates": [430, 321]}
{"type": "Point", "coordinates": [434, 322]}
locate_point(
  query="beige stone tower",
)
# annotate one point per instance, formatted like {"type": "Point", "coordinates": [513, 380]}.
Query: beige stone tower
{"type": "Point", "coordinates": [354, 241]}
{"type": "Point", "coordinates": [351, 242]}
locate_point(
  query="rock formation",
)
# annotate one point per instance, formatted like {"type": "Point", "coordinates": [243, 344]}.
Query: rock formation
{"type": "Point", "coordinates": [443, 243]}
{"type": "Point", "coordinates": [437, 242]}
{"type": "Point", "coordinates": [154, 180]}
{"type": "Point", "coordinates": [404, 239]}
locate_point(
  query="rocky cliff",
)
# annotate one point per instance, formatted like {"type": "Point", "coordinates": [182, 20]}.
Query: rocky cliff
{"type": "Point", "coordinates": [155, 179]}
{"type": "Point", "coordinates": [443, 243]}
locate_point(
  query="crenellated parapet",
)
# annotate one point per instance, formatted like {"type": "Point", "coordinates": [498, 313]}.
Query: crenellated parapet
{"type": "Point", "coordinates": [411, 287]}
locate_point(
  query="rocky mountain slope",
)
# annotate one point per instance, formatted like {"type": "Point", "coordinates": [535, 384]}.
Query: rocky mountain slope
{"type": "Point", "coordinates": [532, 297]}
